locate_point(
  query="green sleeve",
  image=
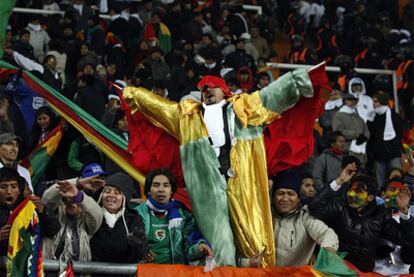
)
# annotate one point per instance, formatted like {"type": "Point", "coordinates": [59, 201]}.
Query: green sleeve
{"type": "Point", "coordinates": [73, 155]}
{"type": "Point", "coordinates": [191, 249]}
{"type": "Point", "coordinates": [283, 93]}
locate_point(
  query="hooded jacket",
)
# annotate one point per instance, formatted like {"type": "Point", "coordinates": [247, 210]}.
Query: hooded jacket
{"type": "Point", "coordinates": [86, 224]}
{"type": "Point", "coordinates": [365, 105]}
{"type": "Point", "coordinates": [126, 241]}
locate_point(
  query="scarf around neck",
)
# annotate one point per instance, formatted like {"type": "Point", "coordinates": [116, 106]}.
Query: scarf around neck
{"type": "Point", "coordinates": [347, 110]}
{"type": "Point", "coordinates": [389, 132]}
{"type": "Point", "coordinates": [174, 218]}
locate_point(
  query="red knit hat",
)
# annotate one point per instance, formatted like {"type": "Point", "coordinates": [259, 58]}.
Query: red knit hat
{"type": "Point", "coordinates": [214, 82]}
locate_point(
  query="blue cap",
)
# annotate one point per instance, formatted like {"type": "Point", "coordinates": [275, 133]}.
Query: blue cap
{"type": "Point", "coordinates": [93, 170]}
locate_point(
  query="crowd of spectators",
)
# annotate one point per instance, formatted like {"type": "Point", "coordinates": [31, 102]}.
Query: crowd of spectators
{"type": "Point", "coordinates": [167, 47]}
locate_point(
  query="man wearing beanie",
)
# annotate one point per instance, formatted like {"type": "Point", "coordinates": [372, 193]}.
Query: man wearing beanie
{"type": "Point", "coordinates": [384, 145]}
{"type": "Point", "coordinates": [296, 231]}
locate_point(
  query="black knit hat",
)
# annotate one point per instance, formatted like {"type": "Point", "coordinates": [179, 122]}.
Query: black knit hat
{"type": "Point", "coordinates": [287, 180]}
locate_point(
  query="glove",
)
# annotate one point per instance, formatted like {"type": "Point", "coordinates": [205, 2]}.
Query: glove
{"type": "Point", "coordinates": [136, 237]}
{"type": "Point", "coordinates": [361, 139]}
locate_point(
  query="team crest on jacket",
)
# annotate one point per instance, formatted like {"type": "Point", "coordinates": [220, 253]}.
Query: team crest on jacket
{"type": "Point", "coordinates": [160, 234]}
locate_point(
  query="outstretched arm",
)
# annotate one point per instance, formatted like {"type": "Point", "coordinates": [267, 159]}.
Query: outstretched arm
{"type": "Point", "coordinates": [263, 107]}
{"type": "Point", "coordinates": [161, 112]}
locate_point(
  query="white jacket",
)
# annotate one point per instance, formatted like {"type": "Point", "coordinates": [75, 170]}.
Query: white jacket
{"type": "Point", "coordinates": [39, 39]}
{"type": "Point", "coordinates": [296, 236]}
{"type": "Point", "coordinates": [365, 106]}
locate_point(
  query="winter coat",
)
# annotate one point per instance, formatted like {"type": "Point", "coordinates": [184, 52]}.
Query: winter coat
{"type": "Point", "coordinates": [359, 232]}
{"type": "Point", "coordinates": [24, 48]}
{"type": "Point", "coordinates": [397, 257]}
{"type": "Point", "coordinates": [296, 235]}
{"type": "Point", "coordinates": [262, 47]}
{"type": "Point", "coordinates": [365, 105]}
{"type": "Point", "coordinates": [240, 58]}
{"type": "Point", "coordinates": [39, 40]}
{"type": "Point", "coordinates": [92, 100]}
{"type": "Point", "coordinates": [380, 149]}
{"type": "Point", "coordinates": [110, 245]}
{"type": "Point", "coordinates": [182, 249]}
{"type": "Point", "coordinates": [126, 241]}
{"type": "Point", "coordinates": [351, 126]}
{"type": "Point", "coordinates": [326, 168]}
{"type": "Point", "coordinates": [86, 224]}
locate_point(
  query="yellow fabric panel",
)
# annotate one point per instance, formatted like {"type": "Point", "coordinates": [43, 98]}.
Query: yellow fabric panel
{"type": "Point", "coordinates": [163, 113]}
{"type": "Point", "coordinates": [250, 111]}
{"type": "Point", "coordinates": [129, 168]}
{"type": "Point", "coordinates": [249, 203]}
{"type": "Point", "coordinates": [22, 220]}
{"type": "Point", "coordinates": [53, 143]}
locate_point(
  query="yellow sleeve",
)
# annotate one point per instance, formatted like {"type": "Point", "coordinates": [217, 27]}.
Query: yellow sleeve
{"type": "Point", "coordinates": [161, 112]}
{"type": "Point", "coordinates": [250, 110]}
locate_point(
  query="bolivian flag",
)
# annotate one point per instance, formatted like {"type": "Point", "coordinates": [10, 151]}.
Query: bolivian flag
{"type": "Point", "coordinates": [102, 137]}
{"type": "Point", "coordinates": [25, 246]}
{"type": "Point", "coordinates": [37, 161]}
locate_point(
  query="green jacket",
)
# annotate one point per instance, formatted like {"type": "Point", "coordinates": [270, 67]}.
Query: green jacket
{"type": "Point", "coordinates": [182, 250]}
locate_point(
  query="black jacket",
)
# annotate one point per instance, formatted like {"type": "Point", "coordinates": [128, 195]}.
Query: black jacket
{"type": "Point", "coordinates": [359, 233]}
{"type": "Point", "coordinates": [110, 245]}
{"type": "Point", "coordinates": [379, 148]}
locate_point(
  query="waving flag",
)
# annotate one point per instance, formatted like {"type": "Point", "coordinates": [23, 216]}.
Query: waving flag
{"type": "Point", "coordinates": [25, 245]}
{"type": "Point", "coordinates": [37, 161]}
{"type": "Point", "coordinates": [102, 137]}
{"type": "Point", "coordinates": [6, 7]}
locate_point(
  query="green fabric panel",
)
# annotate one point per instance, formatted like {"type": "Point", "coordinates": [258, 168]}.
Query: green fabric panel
{"type": "Point", "coordinates": [6, 7]}
{"type": "Point", "coordinates": [90, 120]}
{"type": "Point", "coordinates": [39, 162]}
{"type": "Point", "coordinates": [283, 93]}
{"type": "Point", "coordinates": [19, 263]}
{"type": "Point", "coordinates": [238, 130]}
{"type": "Point", "coordinates": [165, 43]}
{"type": "Point", "coordinates": [332, 264]}
{"type": "Point", "coordinates": [207, 190]}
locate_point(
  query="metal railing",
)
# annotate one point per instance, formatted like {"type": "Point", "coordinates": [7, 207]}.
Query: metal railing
{"type": "Point", "coordinates": [109, 269]}
{"type": "Point", "coordinates": [358, 70]}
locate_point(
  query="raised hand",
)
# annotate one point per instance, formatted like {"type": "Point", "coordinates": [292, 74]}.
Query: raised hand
{"type": "Point", "coordinates": [66, 189]}
{"type": "Point", "coordinates": [403, 200]}
{"type": "Point", "coordinates": [38, 203]}
{"type": "Point", "coordinates": [347, 173]}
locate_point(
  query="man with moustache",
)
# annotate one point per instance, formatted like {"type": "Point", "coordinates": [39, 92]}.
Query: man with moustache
{"type": "Point", "coordinates": [223, 156]}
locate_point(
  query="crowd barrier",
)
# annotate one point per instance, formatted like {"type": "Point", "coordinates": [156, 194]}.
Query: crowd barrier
{"type": "Point", "coordinates": [85, 267]}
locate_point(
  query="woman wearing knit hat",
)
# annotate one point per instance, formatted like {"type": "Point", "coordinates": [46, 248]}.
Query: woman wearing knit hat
{"type": "Point", "coordinates": [121, 237]}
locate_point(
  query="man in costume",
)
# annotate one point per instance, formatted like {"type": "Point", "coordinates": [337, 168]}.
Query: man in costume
{"type": "Point", "coordinates": [223, 156]}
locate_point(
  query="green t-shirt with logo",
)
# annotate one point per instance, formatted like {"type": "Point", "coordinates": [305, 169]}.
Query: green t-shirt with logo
{"type": "Point", "coordinates": [159, 240]}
